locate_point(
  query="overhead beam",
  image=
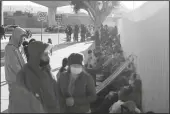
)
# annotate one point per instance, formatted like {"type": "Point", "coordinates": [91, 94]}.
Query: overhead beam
{"type": "Point", "coordinates": [53, 3]}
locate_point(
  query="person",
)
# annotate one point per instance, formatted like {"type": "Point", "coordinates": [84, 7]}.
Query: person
{"type": "Point", "coordinates": [83, 33]}
{"type": "Point", "coordinates": [63, 67]}
{"type": "Point", "coordinates": [14, 60]}
{"type": "Point", "coordinates": [37, 80]}
{"type": "Point", "coordinates": [91, 64]}
{"type": "Point", "coordinates": [106, 33]}
{"type": "Point", "coordinates": [50, 42]}
{"type": "Point", "coordinates": [76, 88]}
{"type": "Point", "coordinates": [91, 60]}
{"type": "Point", "coordinates": [136, 84]}
{"type": "Point", "coordinates": [2, 32]}
{"type": "Point", "coordinates": [123, 100]}
{"type": "Point", "coordinates": [32, 40]}
{"type": "Point", "coordinates": [67, 33]}
{"type": "Point", "coordinates": [76, 31]}
{"type": "Point", "coordinates": [25, 47]}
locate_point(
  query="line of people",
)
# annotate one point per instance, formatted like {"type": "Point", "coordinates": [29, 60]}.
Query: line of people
{"type": "Point", "coordinates": [84, 31]}
{"type": "Point", "coordinates": [34, 89]}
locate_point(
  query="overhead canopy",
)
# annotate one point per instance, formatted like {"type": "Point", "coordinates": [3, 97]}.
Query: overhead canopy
{"type": "Point", "coordinates": [53, 3]}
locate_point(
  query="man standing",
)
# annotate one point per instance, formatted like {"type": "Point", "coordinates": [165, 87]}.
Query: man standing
{"type": "Point", "coordinates": [76, 32]}
{"type": "Point", "coordinates": [14, 60]}
{"type": "Point", "coordinates": [2, 32]}
{"type": "Point", "coordinates": [36, 78]}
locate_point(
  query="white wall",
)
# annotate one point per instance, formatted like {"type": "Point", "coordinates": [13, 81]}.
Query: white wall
{"type": "Point", "coordinates": [149, 39]}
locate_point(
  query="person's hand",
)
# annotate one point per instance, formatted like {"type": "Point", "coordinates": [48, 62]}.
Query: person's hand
{"type": "Point", "coordinates": [70, 101]}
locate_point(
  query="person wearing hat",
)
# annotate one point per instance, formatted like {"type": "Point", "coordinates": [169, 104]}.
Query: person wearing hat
{"type": "Point", "coordinates": [76, 88]}
{"type": "Point", "coordinates": [35, 85]}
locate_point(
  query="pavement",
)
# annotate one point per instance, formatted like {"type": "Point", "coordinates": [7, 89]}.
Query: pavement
{"type": "Point", "coordinates": [59, 52]}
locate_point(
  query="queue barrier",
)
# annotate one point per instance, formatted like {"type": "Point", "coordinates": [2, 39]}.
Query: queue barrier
{"type": "Point", "coordinates": [107, 81]}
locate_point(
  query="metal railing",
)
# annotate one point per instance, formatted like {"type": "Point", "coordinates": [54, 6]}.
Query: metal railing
{"type": "Point", "coordinates": [107, 81]}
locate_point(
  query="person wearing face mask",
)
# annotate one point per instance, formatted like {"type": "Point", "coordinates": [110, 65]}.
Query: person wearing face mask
{"type": "Point", "coordinates": [35, 84]}
{"type": "Point", "coordinates": [76, 88]}
{"type": "Point", "coordinates": [14, 60]}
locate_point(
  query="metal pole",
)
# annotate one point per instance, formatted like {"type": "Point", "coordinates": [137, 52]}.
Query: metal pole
{"type": "Point", "coordinates": [1, 15]}
{"type": "Point", "coordinates": [41, 29]}
{"type": "Point", "coordinates": [58, 35]}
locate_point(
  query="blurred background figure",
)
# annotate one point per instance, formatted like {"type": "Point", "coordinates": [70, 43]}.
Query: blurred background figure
{"type": "Point", "coordinates": [76, 32]}
{"type": "Point", "coordinates": [63, 67]}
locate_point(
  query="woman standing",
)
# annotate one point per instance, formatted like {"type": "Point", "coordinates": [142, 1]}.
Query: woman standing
{"type": "Point", "coordinates": [75, 87]}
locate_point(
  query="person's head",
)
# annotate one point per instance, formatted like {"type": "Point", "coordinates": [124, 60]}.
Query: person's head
{"type": "Point", "coordinates": [64, 62]}
{"type": "Point", "coordinates": [32, 40]}
{"type": "Point", "coordinates": [25, 43]}
{"type": "Point", "coordinates": [124, 93]}
{"type": "Point", "coordinates": [39, 53]}
{"type": "Point", "coordinates": [106, 27]}
{"type": "Point", "coordinates": [90, 53]}
{"type": "Point", "coordinates": [18, 36]}
{"type": "Point", "coordinates": [75, 63]}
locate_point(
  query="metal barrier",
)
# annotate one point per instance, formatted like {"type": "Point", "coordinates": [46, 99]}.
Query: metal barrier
{"type": "Point", "coordinates": [105, 83]}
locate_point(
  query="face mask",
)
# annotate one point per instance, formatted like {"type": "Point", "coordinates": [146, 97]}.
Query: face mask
{"type": "Point", "coordinates": [44, 63]}
{"type": "Point", "coordinates": [76, 70]}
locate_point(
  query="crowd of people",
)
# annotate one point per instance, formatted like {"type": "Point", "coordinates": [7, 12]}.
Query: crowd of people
{"type": "Point", "coordinates": [33, 88]}
{"type": "Point", "coordinates": [83, 30]}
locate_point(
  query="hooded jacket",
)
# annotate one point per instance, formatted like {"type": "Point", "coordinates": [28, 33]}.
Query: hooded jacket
{"type": "Point", "coordinates": [13, 58]}
{"type": "Point", "coordinates": [38, 81]}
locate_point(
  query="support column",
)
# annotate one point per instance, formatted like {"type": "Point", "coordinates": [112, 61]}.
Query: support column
{"type": "Point", "coordinates": [51, 16]}
{"type": "Point", "coordinates": [2, 16]}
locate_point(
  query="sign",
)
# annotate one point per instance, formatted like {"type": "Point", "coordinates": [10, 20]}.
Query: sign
{"type": "Point", "coordinates": [42, 16]}
{"type": "Point", "coordinates": [58, 18]}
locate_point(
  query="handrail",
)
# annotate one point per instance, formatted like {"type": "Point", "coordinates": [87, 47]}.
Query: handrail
{"type": "Point", "coordinates": [113, 76]}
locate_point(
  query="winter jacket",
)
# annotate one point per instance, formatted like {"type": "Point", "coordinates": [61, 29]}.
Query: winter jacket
{"type": "Point", "coordinates": [83, 94]}
{"type": "Point", "coordinates": [38, 81]}
{"type": "Point", "coordinates": [13, 58]}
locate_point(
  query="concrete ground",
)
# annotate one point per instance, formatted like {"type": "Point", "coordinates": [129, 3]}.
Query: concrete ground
{"type": "Point", "coordinates": [59, 52]}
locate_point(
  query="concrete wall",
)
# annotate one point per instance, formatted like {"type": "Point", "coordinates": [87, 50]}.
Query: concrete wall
{"type": "Point", "coordinates": [149, 39]}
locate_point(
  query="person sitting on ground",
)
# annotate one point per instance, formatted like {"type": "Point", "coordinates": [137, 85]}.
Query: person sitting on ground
{"type": "Point", "coordinates": [63, 67]}
{"type": "Point", "coordinates": [123, 100]}
{"type": "Point", "coordinates": [136, 84]}
{"type": "Point", "coordinates": [76, 88]}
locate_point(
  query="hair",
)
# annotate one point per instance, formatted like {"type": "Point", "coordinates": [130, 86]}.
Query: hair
{"type": "Point", "coordinates": [25, 43]}
{"type": "Point", "coordinates": [64, 62]}
{"type": "Point", "coordinates": [32, 40]}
